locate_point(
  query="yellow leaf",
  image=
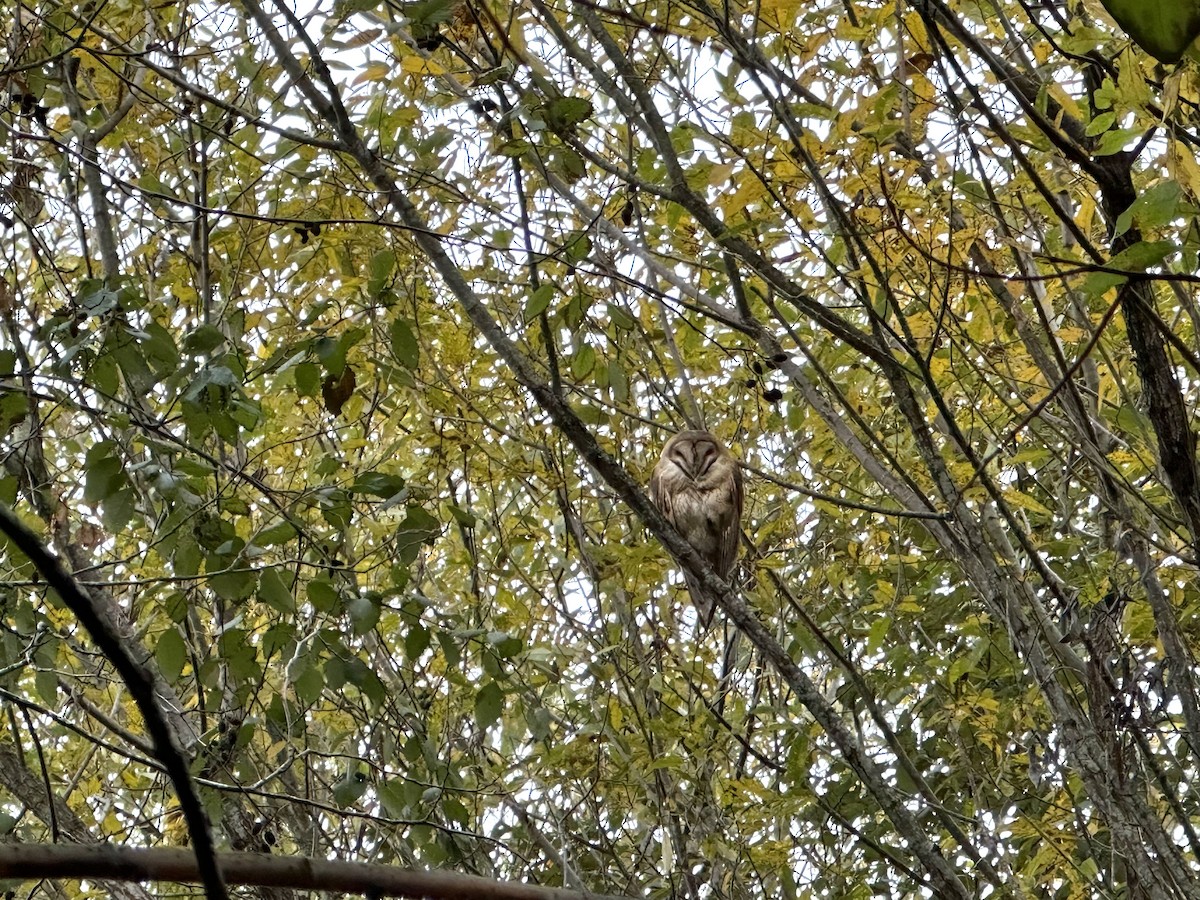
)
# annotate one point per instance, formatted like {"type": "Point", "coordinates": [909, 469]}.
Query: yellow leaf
{"type": "Point", "coordinates": [1086, 213]}
{"type": "Point", "coordinates": [718, 174]}
{"type": "Point", "coordinates": [1065, 100]}
{"type": "Point", "coordinates": [786, 169]}
{"type": "Point", "coordinates": [616, 716]}
{"type": "Point", "coordinates": [1069, 333]}
{"type": "Point", "coordinates": [415, 65]}
{"type": "Point", "coordinates": [1024, 501]}
{"type": "Point", "coordinates": [375, 71]}
{"type": "Point", "coordinates": [749, 190]}
{"type": "Point", "coordinates": [780, 14]}
{"type": "Point", "coordinates": [111, 825]}
{"type": "Point", "coordinates": [918, 38]}
{"type": "Point", "coordinates": [1184, 169]}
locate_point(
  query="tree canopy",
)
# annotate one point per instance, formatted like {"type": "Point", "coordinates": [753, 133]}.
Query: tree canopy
{"type": "Point", "coordinates": [337, 346]}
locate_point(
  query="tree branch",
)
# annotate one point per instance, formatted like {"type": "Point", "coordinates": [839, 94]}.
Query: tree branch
{"type": "Point", "coordinates": [263, 870]}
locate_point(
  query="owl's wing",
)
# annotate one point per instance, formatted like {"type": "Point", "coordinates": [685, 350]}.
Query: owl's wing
{"type": "Point", "coordinates": [731, 533]}
{"type": "Point", "coordinates": [658, 496]}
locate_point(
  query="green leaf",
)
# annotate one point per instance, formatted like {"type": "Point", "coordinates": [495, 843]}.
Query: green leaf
{"type": "Point", "coordinates": [618, 382]}
{"type": "Point", "coordinates": [683, 139]}
{"type": "Point", "coordinates": [1116, 141]}
{"type": "Point", "coordinates": [404, 343]}
{"type": "Point", "coordinates": [453, 810]}
{"type": "Point", "coordinates": [391, 798]}
{"type": "Point", "coordinates": [1158, 205]}
{"type": "Point", "coordinates": [383, 264]}
{"type": "Point", "coordinates": [105, 473]}
{"type": "Point", "coordinates": [564, 113]}
{"type": "Point", "coordinates": [364, 614]}
{"type": "Point", "coordinates": [96, 301]}
{"type": "Point", "coordinates": [567, 163]}
{"type": "Point", "coordinates": [105, 375]}
{"type": "Point", "coordinates": [1100, 123]}
{"type": "Point", "coordinates": [1099, 283]}
{"type": "Point", "coordinates": [620, 318]}
{"type": "Point", "coordinates": [539, 301]}
{"type": "Point", "coordinates": [514, 148]}
{"type": "Point", "coordinates": [14, 408]}
{"type": "Point", "coordinates": [1163, 28]}
{"type": "Point", "coordinates": [204, 339]}
{"type": "Point", "coordinates": [151, 183]}
{"type": "Point", "coordinates": [450, 648]}
{"type": "Point", "coordinates": [583, 362]}
{"type": "Point", "coordinates": [158, 347]}
{"type": "Point", "coordinates": [118, 509]}
{"type": "Point", "coordinates": [278, 640]}
{"type": "Point", "coordinates": [418, 527]}
{"type": "Point", "coordinates": [379, 484]}
{"type": "Point", "coordinates": [212, 386]}
{"type": "Point", "coordinates": [335, 507]}
{"type": "Point", "coordinates": [47, 687]}
{"type": "Point", "coordinates": [416, 641]}
{"type": "Point", "coordinates": [170, 653]}
{"type": "Point", "coordinates": [1142, 255]}
{"type": "Point", "coordinates": [489, 704]}
{"type": "Point", "coordinates": [331, 352]}
{"type": "Point", "coordinates": [322, 595]}
{"type": "Point", "coordinates": [307, 378]}
{"type": "Point", "coordinates": [1136, 258]}
{"type": "Point", "coordinates": [577, 247]}
{"type": "Point", "coordinates": [350, 789]}
{"type": "Point", "coordinates": [336, 675]}
{"type": "Point", "coordinates": [505, 644]}
{"type": "Point", "coordinates": [279, 532]}
{"type": "Point", "coordinates": [428, 12]}
{"type": "Point", "coordinates": [308, 683]}
{"type": "Point", "coordinates": [539, 721]}
{"type": "Point", "coordinates": [665, 761]}
{"type": "Point", "coordinates": [1154, 208]}
{"type": "Point", "coordinates": [235, 585]}
{"type": "Point", "coordinates": [233, 506]}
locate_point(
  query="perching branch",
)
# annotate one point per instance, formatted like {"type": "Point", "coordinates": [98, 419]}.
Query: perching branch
{"type": "Point", "coordinates": [36, 861]}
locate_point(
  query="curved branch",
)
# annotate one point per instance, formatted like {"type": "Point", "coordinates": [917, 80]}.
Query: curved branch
{"type": "Point", "coordinates": [141, 683]}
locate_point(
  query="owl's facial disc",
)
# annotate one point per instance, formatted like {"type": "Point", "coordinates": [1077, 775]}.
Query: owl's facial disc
{"type": "Point", "coordinates": [704, 454]}
{"type": "Point", "coordinates": [696, 459]}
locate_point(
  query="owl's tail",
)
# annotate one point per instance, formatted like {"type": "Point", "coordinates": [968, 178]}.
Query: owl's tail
{"type": "Point", "coordinates": [704, 606]}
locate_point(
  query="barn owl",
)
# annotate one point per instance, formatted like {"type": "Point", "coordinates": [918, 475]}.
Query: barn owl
{"type": "Point", "coordinates": [698, 487]}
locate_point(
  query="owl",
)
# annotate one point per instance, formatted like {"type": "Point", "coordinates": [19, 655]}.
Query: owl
{"type": "Point", "coordinates": [698, 487]}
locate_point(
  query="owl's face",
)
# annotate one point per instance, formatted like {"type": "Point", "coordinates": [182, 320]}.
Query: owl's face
{"type": "Point", "coordinates": [694, 453]}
